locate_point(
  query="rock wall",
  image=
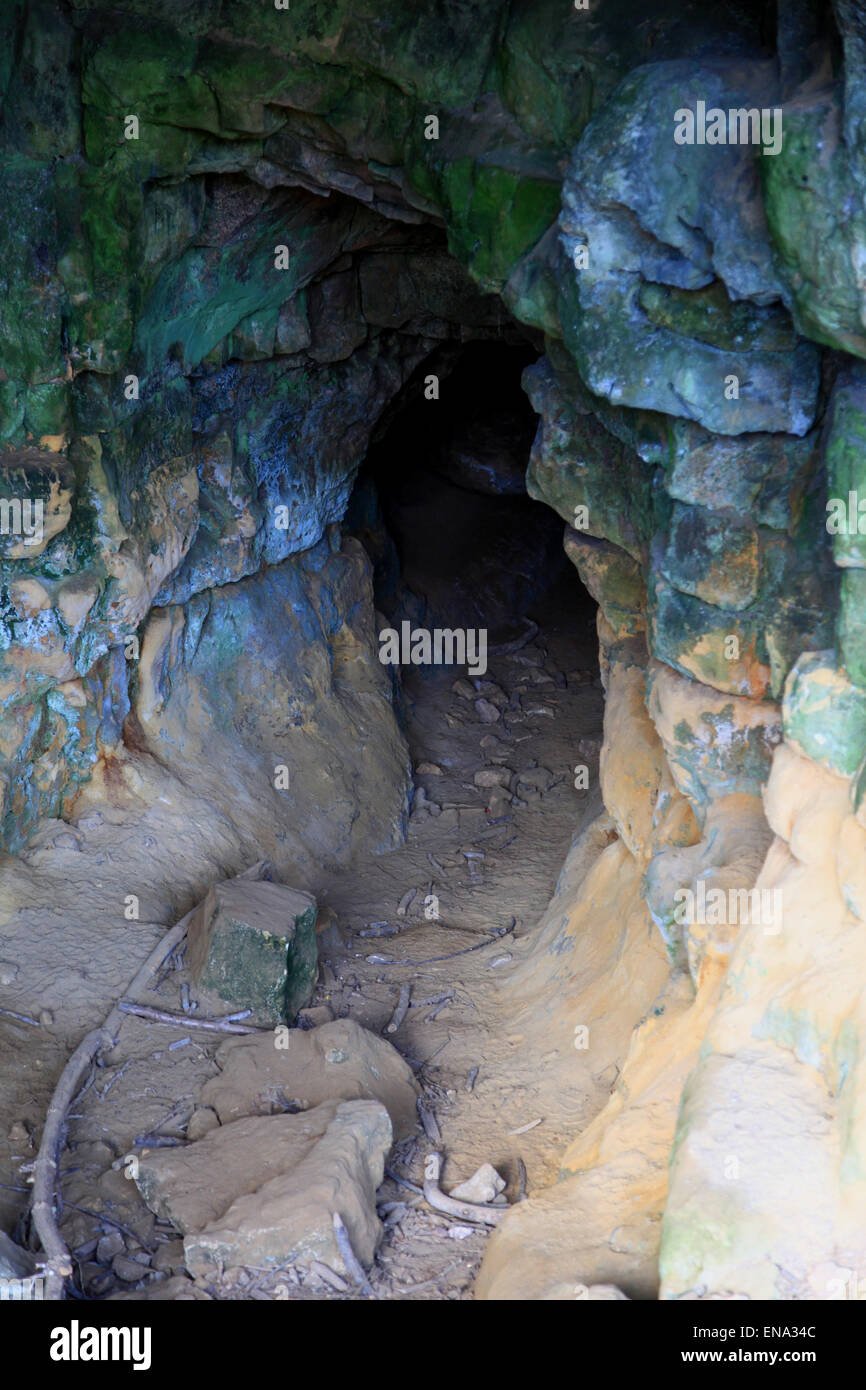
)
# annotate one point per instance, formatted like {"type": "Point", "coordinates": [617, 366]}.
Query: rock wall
{"type": "Point", "coordinates": [242, 232]}
{"type": "Point", "coordinates": [727, 1161]}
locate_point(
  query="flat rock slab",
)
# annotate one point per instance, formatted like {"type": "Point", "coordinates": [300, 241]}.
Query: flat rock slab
{"type": "Point", "coordinates": [254, 945]}
{"type": "Point", "coordinates": [337, 1061]}
{"type": "Point", "coordinates": [193, 1186]}
{"type": "Point", "coordinates": [290, 1217]}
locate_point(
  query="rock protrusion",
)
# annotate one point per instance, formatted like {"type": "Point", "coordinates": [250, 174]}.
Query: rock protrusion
{"type": "Point", "coordinates": [254, 945]}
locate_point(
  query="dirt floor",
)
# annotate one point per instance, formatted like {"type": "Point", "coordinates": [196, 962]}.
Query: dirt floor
{"type": "Point", "coordinates": [450, 913]}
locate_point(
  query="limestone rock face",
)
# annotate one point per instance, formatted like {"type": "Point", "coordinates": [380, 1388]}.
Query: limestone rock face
{"type": "Point", "coordinates": [846, 470]}
{"type": "Point", "coordinates": [731, 599]}
{"type": "Point", "coordinates": [216, 413]}
{"type": "Point", "coordinates": [576, 462]}
{"type": "Point", "coordinates": [701, 894]}
{"type": "Point", "coordinates": [846, 518]}
{"type": "Point", "coordinates": [613, 578]}
{"type": "Point", "coordinates": [822, 156]}
{"type": "Point", "coordinates": [716, 745]}
{"type": "Point", "coordinates": [655, 318]}
{"type": "Point", "coordinates": [601, 1222]}
{"type": "Point", "coordinates": [251, 697]}
{"type": "Point", "coordinates": [825, 714]}
{"type": "Point", "coordinates": [36, 488]}
{"type": "Point", "coordinates": [632, 767]}
{"type": "Point", "coordinates": [779, 1046]}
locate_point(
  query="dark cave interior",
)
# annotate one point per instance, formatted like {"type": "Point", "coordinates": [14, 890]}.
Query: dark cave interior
{"type": "Point", "coordinates": [442, 507]}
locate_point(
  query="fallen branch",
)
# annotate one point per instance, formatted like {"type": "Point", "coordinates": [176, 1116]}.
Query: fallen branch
{"type": "Point", "coordinates": [466, 1211]}
{"type": "Point", "coordinates": [402, 1182]}
{"type": "Point", "coordinates": [158, 1141]}
{"type": "Point", "coordinates": [102, 1219]}
{"type": "Point", "coordinates": [329, 1275]}
{"type": "Point", "coordinates": [434, 999]}
{"type": "Point", "coordinates": [521, 1184]}
{"type": "Point", "coordinates": [531, 1124]}
{"type": "Point", "coordinates": [429, 1122]}
{"type": "Point", "coordinates": [434, 960]}
{"type": "Point", "coordinates": [434, 1013]}
{"type": "Point", "coordinates": [212, 1025]}
{"type": "Point", "coordinates": [22, 1018]}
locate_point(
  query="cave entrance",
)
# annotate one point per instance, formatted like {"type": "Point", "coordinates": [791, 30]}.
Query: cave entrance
{"type": "Point", "coordinates": [442, 508]}
{"type": "Point", "coordinates": [447, 947]}
{"type": "Point", "coordinates": [503, 753]}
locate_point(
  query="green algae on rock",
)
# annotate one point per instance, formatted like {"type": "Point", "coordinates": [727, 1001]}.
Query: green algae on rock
{"type": "Point", "coordinates": [254, 945]}
{"type": "Point", "coordinates": [825, 713]}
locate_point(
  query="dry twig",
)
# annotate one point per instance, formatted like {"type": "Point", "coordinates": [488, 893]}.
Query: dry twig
{"type": "Point", "coordinates": [350, 1259]}
{"type": "Point", "coordinates": [434, 960]}
{"type": "Point", "coordinates": [401, 1010]}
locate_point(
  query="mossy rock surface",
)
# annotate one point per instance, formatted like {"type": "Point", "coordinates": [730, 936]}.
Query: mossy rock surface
{"type": "Point", "coordinates": [254, 945]}
{"type": "Point", "coordinates": [824, 713]}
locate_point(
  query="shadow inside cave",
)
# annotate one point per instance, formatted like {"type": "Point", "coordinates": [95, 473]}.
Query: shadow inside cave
{"type": "Point", "coordinates": [442, 507]}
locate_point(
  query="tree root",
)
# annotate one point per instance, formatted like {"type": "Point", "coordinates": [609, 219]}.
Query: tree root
{"type": "Point", "coordinates": [58, 1266]}
{"type": "Point", "coordinates": [463, 1211]}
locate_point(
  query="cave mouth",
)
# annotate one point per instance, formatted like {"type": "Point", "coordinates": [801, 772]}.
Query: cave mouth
{"type": "Point", "coordinates": [245, 241]}
{"type": "Point", "coordinates": [442, 507]}
{"type": "Point", "coordinates": [433, 807]}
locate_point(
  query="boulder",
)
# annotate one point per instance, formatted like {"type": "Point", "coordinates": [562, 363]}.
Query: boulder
{"type": "Point", "coordinates": [193, 1186]}
{"type": "Point", "coordinates": [338, 1061]}
{"type": "Point", "coordinates": [254, 944]}
{"type": "Point", "coordinates": [290, 1217]}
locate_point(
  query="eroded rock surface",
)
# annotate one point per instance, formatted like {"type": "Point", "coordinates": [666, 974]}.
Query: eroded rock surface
{"type": "Point", "coordinates": [338, 1060]}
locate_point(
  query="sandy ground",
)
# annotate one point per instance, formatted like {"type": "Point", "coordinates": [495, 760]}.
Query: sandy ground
{"type": "Point", "coordinates": [491, 868]}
